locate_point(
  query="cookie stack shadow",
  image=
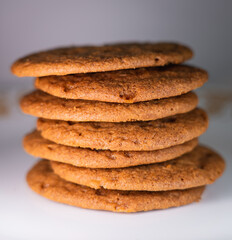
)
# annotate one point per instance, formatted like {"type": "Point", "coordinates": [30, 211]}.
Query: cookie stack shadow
{"type": "Point", "coordinates": [117, 127]}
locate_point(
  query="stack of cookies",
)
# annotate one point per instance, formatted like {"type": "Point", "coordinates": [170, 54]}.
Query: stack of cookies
{"type": "Point", "coordinates": [118, 127]}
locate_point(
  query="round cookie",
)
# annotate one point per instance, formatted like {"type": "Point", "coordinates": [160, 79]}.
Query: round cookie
{"type": "Point", "coordinates": [125, 86]}
{"type": "Point", "coordinates": [43, 105]}
{"type": "Point", "coordinates": [129, 136]}
{"type": "Point", "coordinates": [70, 60]}
{"type": "Point", "coordinates": [37, 146]}
{"type": "Point", "coordinates": [43, 181]}
{"type": "Point", "coordinates": [200, 167]}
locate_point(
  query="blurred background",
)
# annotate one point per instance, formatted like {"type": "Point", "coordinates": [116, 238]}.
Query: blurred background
{"type": "Point", "coordinates": [28, 26]}
{"type": "Point", "coordinates": [205, 25]}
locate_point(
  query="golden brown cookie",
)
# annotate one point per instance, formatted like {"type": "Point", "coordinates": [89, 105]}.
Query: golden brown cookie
{"type": "Point", "coordinates": [37, 146]}
{"type": "Point", "coordinates": [125, 86]}
{"type": "Point", "coordinates": [43, 181]}
{"type": "Point", "coordinates": [200, 167]}
{"type": "Point", "coordinates": [70, 60]}
{"type": "Point", "coordinates": [43, 105]}
{"type": "Point", "coordinates": [129, 136]}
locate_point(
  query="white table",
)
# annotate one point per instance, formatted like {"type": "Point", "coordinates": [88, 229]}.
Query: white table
{"type": "Point", "coordinates": [28, 216]}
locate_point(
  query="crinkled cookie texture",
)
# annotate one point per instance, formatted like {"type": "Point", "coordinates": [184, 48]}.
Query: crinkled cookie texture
{"type": "Point", "coordinates": [200, 167]}
{"type": "Point", "coordinates": [38, 146]}
{"type": "Point", "coordinates": [129, 136]}
{"type": "Point", "coordinates": [43, 181]}
{"type": "Point", "coordinates": [43, 105]}
{"type": "Point", "coordinates": [125, 86]}
{"type": "Point", "coordinates": [70, 60]}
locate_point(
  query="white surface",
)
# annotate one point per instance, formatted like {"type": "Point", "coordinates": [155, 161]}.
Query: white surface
{"type": "Point", "coordinates": [26, 215]}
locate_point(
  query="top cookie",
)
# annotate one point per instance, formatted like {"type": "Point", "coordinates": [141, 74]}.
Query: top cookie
{"type": "Point", "coordinates": [71, 60]}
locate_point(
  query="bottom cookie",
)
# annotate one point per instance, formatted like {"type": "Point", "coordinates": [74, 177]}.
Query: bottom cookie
{"type": "Point", "coordinates": [42, 180]}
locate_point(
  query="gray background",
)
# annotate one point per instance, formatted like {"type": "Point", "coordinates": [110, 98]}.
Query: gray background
{"type": "Point", "coordinates": [27, 26]}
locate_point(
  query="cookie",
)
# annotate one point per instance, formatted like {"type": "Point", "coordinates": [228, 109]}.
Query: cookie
{"type": "Point", "coordinates": [43, 181]}
{"type": "Point", "coordinates": [200, 167]}
{"type": "Point", "coordinates": [70, 60]}
{"type": "Point", "coordinates": [37, 146]}
{"type": "Point", "coordinates": [125, 86]}
{"type": "Point", "coordinates": [129, 136]}
{"type": "Point", "coordinates": [43, 105]}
